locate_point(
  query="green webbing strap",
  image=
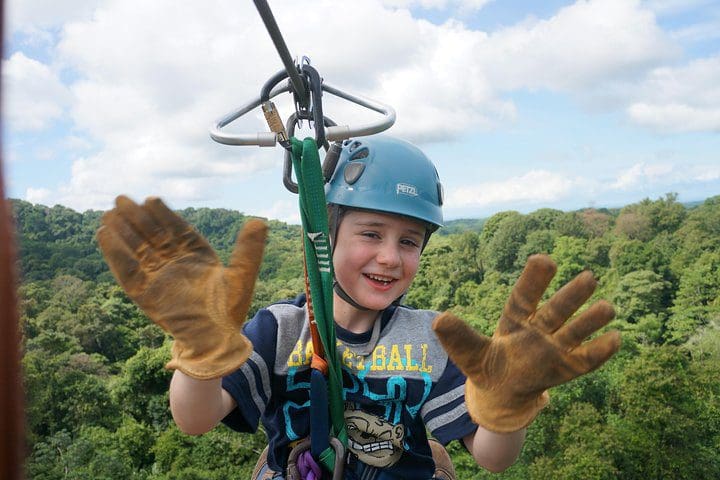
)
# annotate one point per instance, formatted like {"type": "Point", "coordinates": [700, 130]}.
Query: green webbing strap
{"type": "Point", "coordinates": [313, 211]}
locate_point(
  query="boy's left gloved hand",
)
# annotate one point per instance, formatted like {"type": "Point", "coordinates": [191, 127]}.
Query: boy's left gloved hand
{"type": "Point", "coordinates": [532, 348]}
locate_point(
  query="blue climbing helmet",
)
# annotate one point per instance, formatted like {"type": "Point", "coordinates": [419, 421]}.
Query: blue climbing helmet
{"type": "Point", "coordinates": [388, 175]}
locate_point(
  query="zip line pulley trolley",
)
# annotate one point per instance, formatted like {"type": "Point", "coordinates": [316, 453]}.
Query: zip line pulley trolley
{"type": "Point", "coordinates": [328, 437]}
{"type": "Point", "coordinates": [306, 85]}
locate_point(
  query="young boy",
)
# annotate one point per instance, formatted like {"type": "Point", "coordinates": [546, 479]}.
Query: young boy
{"type": "Point", "coordinates": [400, 377]}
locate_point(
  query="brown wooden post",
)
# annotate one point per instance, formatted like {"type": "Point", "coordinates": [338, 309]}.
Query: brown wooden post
{"type": "Point", "coordinates": [12, 420]}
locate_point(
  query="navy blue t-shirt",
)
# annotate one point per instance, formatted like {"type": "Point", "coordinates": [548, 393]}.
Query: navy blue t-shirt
{"type": "Point", "coordinates": [397, 379]}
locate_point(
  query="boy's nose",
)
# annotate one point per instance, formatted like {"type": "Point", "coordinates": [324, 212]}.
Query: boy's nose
{"type": "Point", "coordinates": [388, 255]}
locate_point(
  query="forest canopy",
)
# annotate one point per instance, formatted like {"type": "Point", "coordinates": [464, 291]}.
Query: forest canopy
{"type": "Point", "coordinates": [96, 386]}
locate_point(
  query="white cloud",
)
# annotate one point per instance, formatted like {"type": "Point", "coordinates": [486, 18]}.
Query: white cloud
{"type": "Point", "coordinates": [666, 7]}
{"type": "Point", "coordinates": [76, 143]}
{"type": "Point", "coordinates": [534, 186]}
{"type": "Point", "coordinates": [643, 176]}
{"type": "Point", "coordinates": [707, 173]}
{"type": "Point", "coordinates": [148, 78]}
{"type": "Point", "coordinates": [699, 32]}
{"type": "Point", "coordinates": [680, 99]}
{"type": "Point", "coordinates": [181, 174]}
{"type": "Point", "coordinates": [283, 210]}
{"type": "Point", "coordinates": [34, 96]}
{"type": "Point", "coordinates": [38, 15]}
{"type": "Point", "coordinates": [466, 5]}
{"type": "Point", "coordinates": [562, 190]}
{"type": "Point", "coordinates": [640, 174]}
{"type": "Point", "coordinates": [37, 195]}
{"type": "Point", "coordinates": [676, 117]}
{"type": "Point", "coordinates": [584, 46]}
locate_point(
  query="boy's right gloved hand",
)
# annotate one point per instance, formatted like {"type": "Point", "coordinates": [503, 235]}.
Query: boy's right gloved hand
{"type": "Point", "coordinates": [532, 348]}
{"type": "Point", "coordinates": [174, 275]}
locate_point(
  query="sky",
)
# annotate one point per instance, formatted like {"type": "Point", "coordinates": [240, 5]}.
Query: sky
{"type": "Point", "coordinates": [521, 105]}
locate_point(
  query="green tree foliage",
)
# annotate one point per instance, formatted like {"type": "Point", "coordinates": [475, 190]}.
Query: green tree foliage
{"type": "Point", "coordinates": [698, 234]}
{"type": "Point", "coordinates": [96, 386]}
{"type": "Point", "coordinates": [697, 302]}
{"type": "Point", "coordinates": [501, 239]}
{"type": "Point", "coordinates": [639, 303]}
{"type": "Point", "coordinates": [647, 219]}
{"type": "Point", "coordinates": [569, 254]}
{"type": "Point", "coordinates": [661, 417]}
{"type": "Point", "coordinates": [57, 240]}
{"type": "Point", "coordinates": [596, 223]}
{"type": "Point", "coordinates": [65, 390]}
{"type": "Point", "coordinates": [571, 224]}
{"type": "Point", "coordinates": [446, 264]}
{"type": "Point", "coordinates": [537, 241]}
{"type": "Point", "coordinates": [583, 448]}
{"type": "Point", "coordinates": [140, 390]}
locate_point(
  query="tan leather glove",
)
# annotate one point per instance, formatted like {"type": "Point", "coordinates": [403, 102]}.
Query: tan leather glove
{"type": "Point", "coordinates": [174, 275]}
{"type": "Point", "coordinates": [532, 348]}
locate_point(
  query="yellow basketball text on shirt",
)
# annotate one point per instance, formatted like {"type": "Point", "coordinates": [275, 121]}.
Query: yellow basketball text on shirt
{"type": "Point", "coordinates": [385, 358]}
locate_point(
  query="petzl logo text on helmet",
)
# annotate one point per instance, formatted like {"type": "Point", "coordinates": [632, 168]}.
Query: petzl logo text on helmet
{"type": "Point", "coordinates": [406, 189]}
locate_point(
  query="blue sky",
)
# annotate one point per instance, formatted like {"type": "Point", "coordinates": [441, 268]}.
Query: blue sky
{"type": "Point", "coordinates": [521, 105]}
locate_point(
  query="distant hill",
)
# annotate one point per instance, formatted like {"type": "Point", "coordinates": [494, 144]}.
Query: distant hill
{"type": "Point", "coordinates": [463, 225]}
{"type": "Point", "coordinates": [58, 240]}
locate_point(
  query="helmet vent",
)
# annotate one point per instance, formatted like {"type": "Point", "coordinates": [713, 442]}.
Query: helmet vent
{"type": "Point", "coordinates": [363, 153]}
{"type": "Point", "coordinates": [353, 146]}
{"type": "Point", "coordinates": [353, 171]}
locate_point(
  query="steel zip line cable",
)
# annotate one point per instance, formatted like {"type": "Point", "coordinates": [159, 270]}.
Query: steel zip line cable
{"type": "Point", "coordinates": [277, 39]}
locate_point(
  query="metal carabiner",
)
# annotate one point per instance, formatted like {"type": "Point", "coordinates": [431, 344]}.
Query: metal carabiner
{"type": "Point", "coordinates": [312, 80]}
{"type": "Point", "coordinates": [315, 85]}
{"type": "Point", "coordinates": [272, 116]}
{"type": "Point", "coordinates": [330, 157]}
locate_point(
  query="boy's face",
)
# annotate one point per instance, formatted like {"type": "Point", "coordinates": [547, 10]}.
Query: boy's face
{"type": "Point", "coordinates": [376, 256]}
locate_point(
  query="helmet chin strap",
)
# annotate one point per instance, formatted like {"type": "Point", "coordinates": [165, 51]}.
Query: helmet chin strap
{"type": "Point", "coordinates": [347, 298]}
{"type": "Point", "coordinates": [344, 295]}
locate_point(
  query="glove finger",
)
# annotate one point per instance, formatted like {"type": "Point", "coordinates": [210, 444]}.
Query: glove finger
{"type": "Point", "coordinates": [144, 223]}
{"type": "Point", "coordinates": [121, 260]}
{"type": "Point", "coordinates": [591, 320]}
{"type": "Point", "coordinates": [566, 301]}
{"type": "Point", "coordinates": [149, 228]}
{"type": "Point", "coordinates": [590, 355]}
{"type": "Point", "coordinates": [178, 232]}
{"type": "Point", "coordinates": [527, 292]}
{"type": "Point", "coordinates": [463, 345]}
{"type": "Point", "coordinates": [245, 264]}
{"type": "Point", "coordinates": [116, 225]}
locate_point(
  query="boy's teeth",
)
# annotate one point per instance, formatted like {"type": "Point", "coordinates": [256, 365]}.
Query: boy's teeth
{"type": "Point", "coordinates": [380, 279]}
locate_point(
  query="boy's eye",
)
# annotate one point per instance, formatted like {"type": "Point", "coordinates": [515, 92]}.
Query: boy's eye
{"type": "Point", "coordinates": [410, 242]}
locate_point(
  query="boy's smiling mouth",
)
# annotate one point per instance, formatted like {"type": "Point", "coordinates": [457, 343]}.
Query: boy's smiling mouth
{"type": "Point", "coordinates": [379, 279]}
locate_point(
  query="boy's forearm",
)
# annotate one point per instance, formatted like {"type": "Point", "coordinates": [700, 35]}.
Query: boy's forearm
{"type": "Point", "coordinates": [495, 451]}
{"type": "Point", "coordinates": [197, 406]}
